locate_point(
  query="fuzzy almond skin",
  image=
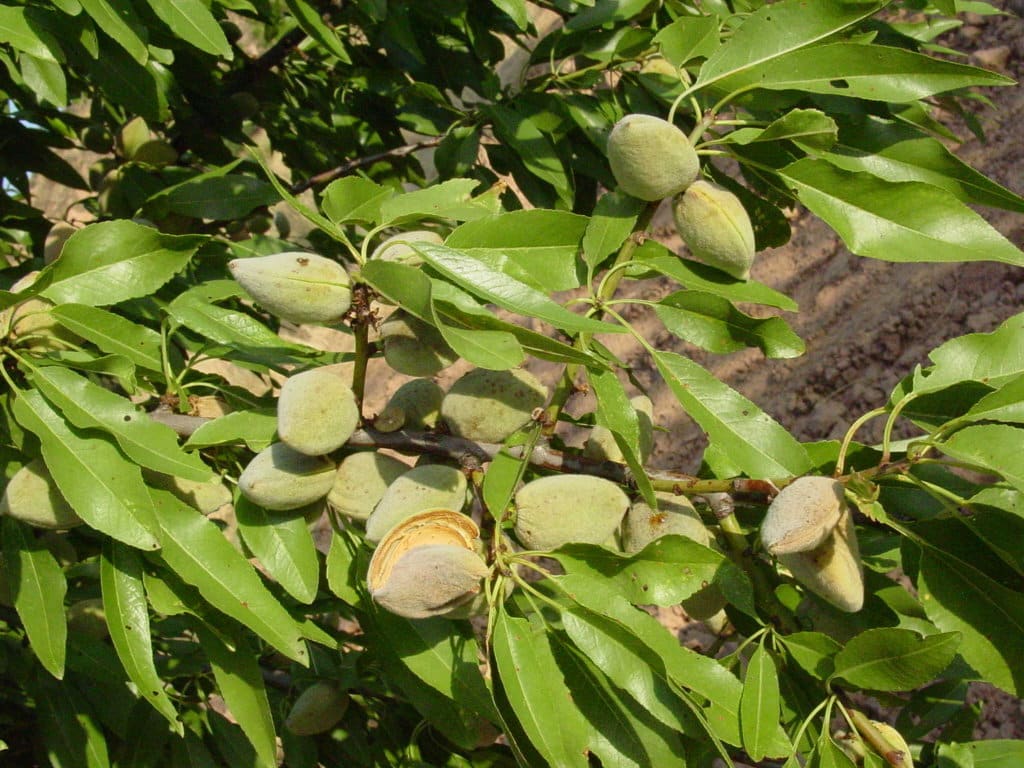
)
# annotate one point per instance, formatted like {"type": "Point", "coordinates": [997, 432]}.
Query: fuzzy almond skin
{"type": "Point", "coordinates": [424, 487]}
{"type": "Point", "coordinates": [296, 286]}
{"type": "Point", "coordinates": [895, 738]}
{"type": "Point", "coordinates": [716, 228]}
{"type": "Point", "coordinates": [280, 478]}
{"type": "Point", "coordinates": [414, 347]}
{"type": "Point", "coordinates": [316, 411]}
{"type": "Point", "coordinates": [676, 514]}
{"type": "Point", "coordinates": [833, 569]}
{"type": "Point", "coordinates": [431, 580]}
{"type": "Point", "coordinates": [802, 516]}
{"type": "Point", "coordinates": [361, 480]}
{"type": "Point", "coordinates": [488, 406]}
{"type": "Point", "coordinates": [415, 405]}
{"type": "Point", "coordinates": [32, 497]}
{"type": "Point", "coordinates": [558, 509]}
{"type": "Point", "coordinates": [651, 158]}
{"type": "Point", "coordinates": [318, 709]}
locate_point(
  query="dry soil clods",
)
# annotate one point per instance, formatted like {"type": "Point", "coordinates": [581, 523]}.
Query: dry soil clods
{"type": "Point", "coordinates": [809, 528]}
{"type": "Point", "coordinates": [296, 286]}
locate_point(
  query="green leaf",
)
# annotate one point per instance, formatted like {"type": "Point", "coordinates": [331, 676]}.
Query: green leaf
{"type": "Point", "coordinates": [1005, 404]}
{"type": "Point", "coordinates": [196, 550]}
{"type": "Point", "coordinates": [993, 753]}
{"type": "Point", "coordinates": [992, 358]}
{"type": "Point", "coordinates": [121, 24]}
{"type": "Point", "coordinates": [192, 21]}
{"type": "Point", "coordinates": [889, 659]}
{"type": "Point", "coordinates": [994, 447]}
{"type": "Point", "coordinates": [759, 704]}
{"type": "Point", "coordinates": [622, 733]}
{"type": "Point", "coordinates": [516, 10]}
{"type": "Point", "coordinates": [687, 38]}
{"type": "Point", "coordinates": [89, 406]}
{"type": "Point", "coordinates": [45, 78]}
{"type": "Point", "coordinates": [813, 651]}
{"type": "Point", "coordinates": [539, 247]}
{"type": "Point", "coordinates": [495, 350]}
{"type": "Point", "coordinates": [506, 291]}
{"type": "Point", "coordinates": [537, 692]}
{"type": "Point", "coordinates": [907, 221]}
{"type": "Point", "coordinates": [113, 261]}
{"type": "Point", "coordinates": [774, 30]}
{"type": "Point", "coordinates": [105, 489]}
{"type": "Point", "coordinates": [147, 734]}
{"type": "Point", "coordinates": [611, 223]}
{"type": "Point", "coordinates": [148, 90]}
{"type": "Point", "coordinates": [70, 733]}
{"type": "Point", "coordinates": [616, 412]}
{"type": "Point", "coordinates": [353, 198]}
{"type": "Point", "coordinates": [715, 324]}
{"type": "Point", "coordinates": [283, 545]}
{"type": "Point", "coordinates": [959, 598]}
{"type": "Point", "coordinates": [341, 571]}
{"type": "Point", "coordinates": [37, 586]}
{"type": "Point", "coordinates": [255, 428]}
{"type": "Point", "coordinates": [17, 30]}
{"type": "Point", "coordinates": [112, 333]}
{"type": "Point", "coordinates": [810, 127]}
{"type": "Point", "coordinates": [535, 149]}
{"type": "Point", "coordinates": [828, 754]}
{"type": "Point", "coordinates": [897, 152]}
{"type": "Point", "coordinates": [653, 256]}
{"type": "Point", "coordinates": [450, 199]}
{"type": "Point", "coordinates": [240, 680]}
{"type": "Point", "coordinates": [127, 614]}
{"type": "Point", "coordinates": [221, 198]}
{"type": "Point", "coordinates": [873, 72]}
{"type": "Point", "coordinates": [313, 25]}
{"type": "Point", "coordinates": [758, 445]}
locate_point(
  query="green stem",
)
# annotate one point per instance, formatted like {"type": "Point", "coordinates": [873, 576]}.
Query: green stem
{"type": "Point", "coordinates": [361, 330]}
{"type": "Point", "coordinates": [848, 437]}
{"type": "Point", "coordinates": [890, 422]}
{"type": "Point", "coordinates": [874, 738]}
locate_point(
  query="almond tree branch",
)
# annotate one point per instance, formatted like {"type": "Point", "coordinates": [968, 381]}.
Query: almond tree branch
{"type": "Point", "coordinates": [360, 162]}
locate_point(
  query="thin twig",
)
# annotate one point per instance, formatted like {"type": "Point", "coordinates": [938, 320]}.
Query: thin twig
{"type": "Point", "coordinates": [361, 162]}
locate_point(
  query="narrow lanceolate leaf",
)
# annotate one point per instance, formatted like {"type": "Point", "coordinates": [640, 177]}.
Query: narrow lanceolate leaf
{"type": "Point", "coordinates": [127, 612]}
{"type": "Point", "coordinates": [89, 406]}
{"type": "Point", "coordinates": [774, 30]}
{"type": "Point", "coordinates": [71, 733]}
{"type": "Point", "coordinates": [907, 221]}
{"type": "Point", "coordinates": [38, 587]}
{"type": "Point", "coordinates": [616, 412]}
{"type": "Point", "coordinates": [494, 350]}
{"type": "Point", "coordinates": [254, 428]}
{"type": "Point", "coordinates": [757, 444]}
{"type": "Point", "coordinates": [890, 659]}
{"type": "Point", "coordinates": [993, 358]}
{"type": "Point", "coordinates": [17, 31]}
{"type": "Point", "coordinates": [240, 681]}
{"type": "Point", "coordinates": [810, 127]}
{"type": "Point", "coordinates": [959, 598]}
{"type": "Point", "coordinates": [759, 704]}
{"type": "Point", "coordinates": [873, 72]}
{"type": "Point", "coordinates": [192, 21]}
{"type": "Point", "coordinates": [993, 447]}
{"type": "Point", "coordinates": [536, 690]}
{"type": "Point", "coordinates": [715, 324]}
{"type": "Point", "coordinates": [506, 291]}
{"type": "Point", "coordinates": [534, 148]}
{"type": "Point", "coordinates": [220, 197]}
{"type": "Point", "coordinates": [283, 545]}
{"type": "Point", "coordinates": [120, 24]}
{"type": "Point", "coordinates": [448, 200]}
{"type": "Point", "coordinates": [1005, 404]}
{"type": "Point", "coordinates": [993, 753]}
{"type": "Point", "coordinates": [197, 551]}
{"type": "Point", "coordinates": [227, 326]}
{"type": "Point", "coordinates": [341, 571]}
{"type": "Point", "coordinates": [112, 333]}
{"type": "Point", "coordinates": [105, 489]}
{"type": "Point", "coordinates": [313, 25]}
{"type": "Point", "coordinates": [113, 261]}
{"type": "Point", "coordinates": [611, 223]}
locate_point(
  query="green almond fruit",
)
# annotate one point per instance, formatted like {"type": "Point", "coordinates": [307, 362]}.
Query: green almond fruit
{"type": "Point", "coordinates": [207, 496]}
{"type": "Point", "coordinates": [414, 347]}
{"type": "Point", "coordinates": [716, 228]}
{"type": "Point", "coordinates": [555, 510]}
{"type": "Point", "coordinates": [32, 497]}
{"type": "Point", "coordinates": [280, 478]}
{"type": "Point", "coordinates": [296, 286]}
{"type": "Point", "coordinates": [832, 570]}
{"type": "Point", "coordinates": [316, 410]}
{"type": "Point", "coordinates": [675, 514]}
{"type": "Point", "coordinates": [488, 406]}
{"type": "Point", "coordinates": [398, 248]}
{"type": "Point", "coordinates": [803, 515]}
{"type": "Point", "coordinates": [87, 617]}
{"type": "Point", "coordinates": [601, 445]}
{"type": "Point", "coordinates": [361, 480]}
{"type": "Point", "coordinates": [424, 487]}
{"type": "Point", "coordinates": [431, 580]}
{"type": "Point", "coordinates": [415, 405]}
{"type": "Point", "coordinates": [318, 709]}
{"type": "Point", "coordinates": [651, 158]}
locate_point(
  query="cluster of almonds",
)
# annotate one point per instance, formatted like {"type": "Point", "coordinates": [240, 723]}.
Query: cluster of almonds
{"type": "Point", "coordinates": [810, 530]}
{"type": "Point", "coordinates": [652, 159]}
